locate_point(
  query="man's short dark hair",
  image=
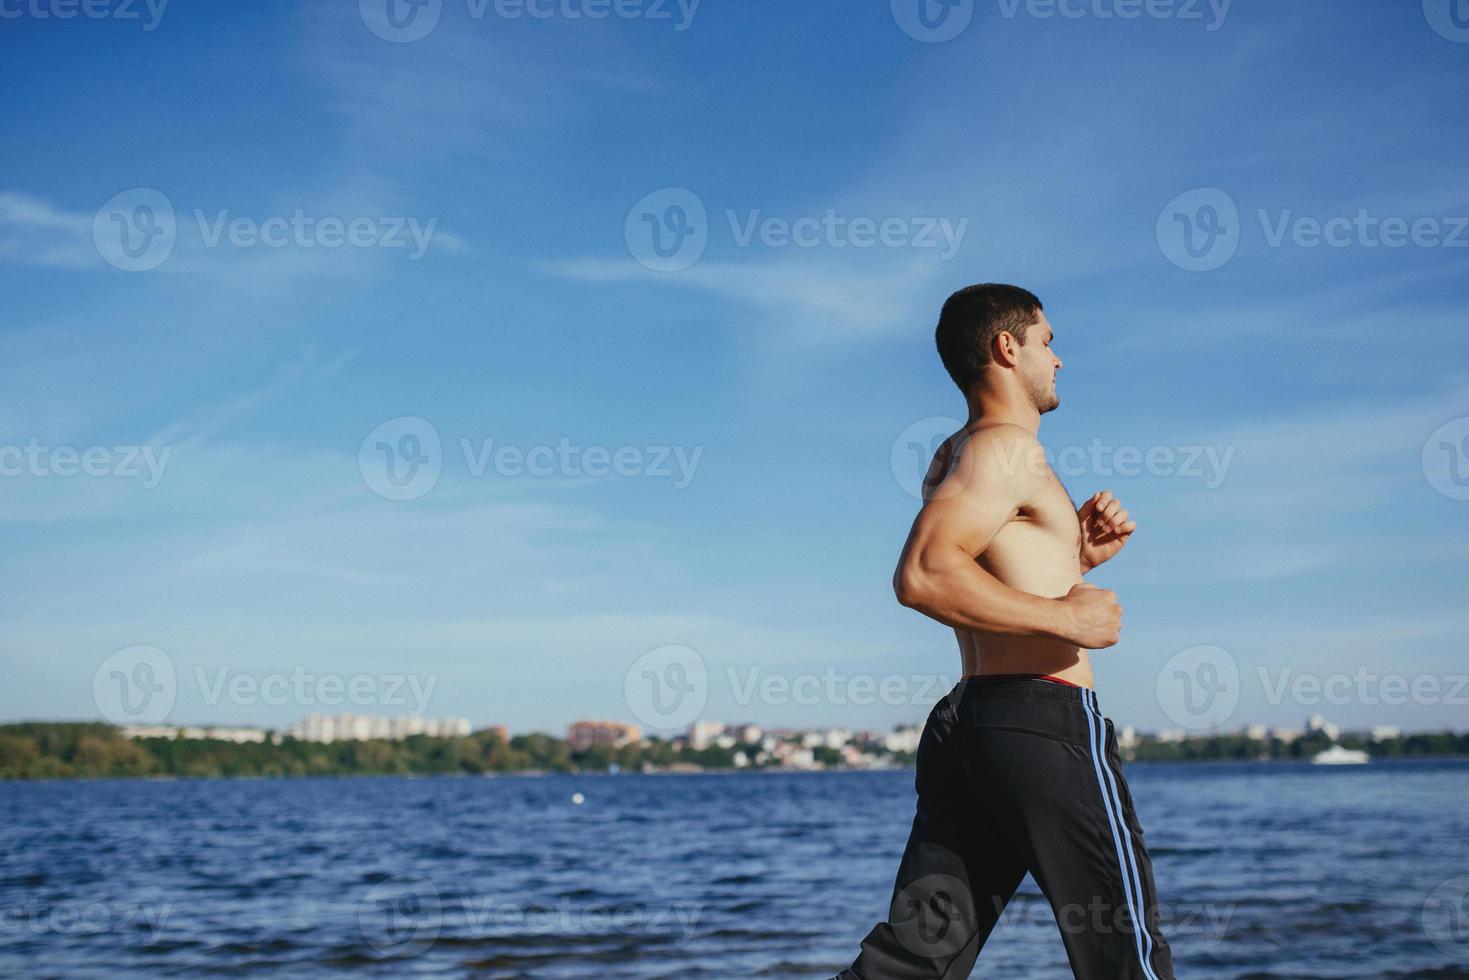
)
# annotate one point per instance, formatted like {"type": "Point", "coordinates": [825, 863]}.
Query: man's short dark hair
{"type": "Point", "coordinates": [971, 320]}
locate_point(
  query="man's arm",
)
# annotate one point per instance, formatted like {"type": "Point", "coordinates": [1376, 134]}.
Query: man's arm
{"type": "Point", "coordinates": [938, 575]}
{"type": "Point", "coordinates": [1105, 528]}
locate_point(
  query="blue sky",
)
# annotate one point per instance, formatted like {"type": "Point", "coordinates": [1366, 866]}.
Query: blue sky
{"type": "Point", "coordinates": [1059, 152]}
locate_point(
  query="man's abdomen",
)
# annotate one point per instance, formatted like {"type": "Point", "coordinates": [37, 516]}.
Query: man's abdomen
{"type": "Point", "coordinates": [986, 653]}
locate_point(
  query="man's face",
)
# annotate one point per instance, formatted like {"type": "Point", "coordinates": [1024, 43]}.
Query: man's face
{"type": "Point", "coordinates": [1039, 364]}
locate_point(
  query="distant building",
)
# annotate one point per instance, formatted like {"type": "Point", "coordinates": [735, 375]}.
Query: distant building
{"type": "Point", "coordinates": [703, 733]}
{"type": "Point", "coordinates": [238, 735]}
{"type": "Point", "coordinates": [348, 727]}
{"type": "Point", "coordinates": [1286, 735]}
{"type": "Point", "coordinates": [1257, 733]}
{"type": "Point", "coordinates": [1384, 732]}
{"type": "Point", "coordinates": [904, 738]}
{"type": "Point", "coordinates": [835, 738]}
{"type": "Point", "coordinates": [794, 757]}
{"type": "Point", "coordinates": [749, 733]}
{"type": "Point", "coordinates": [1316, 723]}
{"type": "Point", "coordinates": [582, 735]}
{"type": "Point", "coordinates": [499, 730]}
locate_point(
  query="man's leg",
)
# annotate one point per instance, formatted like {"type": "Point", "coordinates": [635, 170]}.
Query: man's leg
{"type": "Point", "coordinates": [1066, 807]}
{"type": "Point", "coordinates": [956, 876]}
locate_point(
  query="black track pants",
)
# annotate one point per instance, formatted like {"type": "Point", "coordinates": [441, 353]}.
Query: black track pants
{"type": "Point", "coordinates": [1018, 775]}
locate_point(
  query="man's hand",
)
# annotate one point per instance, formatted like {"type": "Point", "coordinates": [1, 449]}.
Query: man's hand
{"type": "Point", "coordinates": [1105, 528]}
{"type": "Point", "coordinates": [1094, 617]}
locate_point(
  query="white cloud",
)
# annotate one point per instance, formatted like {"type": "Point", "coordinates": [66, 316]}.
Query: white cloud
{"type": "Point", "coordinates": [34, 232]}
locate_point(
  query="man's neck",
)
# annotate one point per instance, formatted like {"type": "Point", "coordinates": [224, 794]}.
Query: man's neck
{"type": "Point", "coordinates": [986, 408]}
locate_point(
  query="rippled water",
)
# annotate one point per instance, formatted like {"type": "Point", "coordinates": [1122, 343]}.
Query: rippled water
{"type": "Point", "coordinates": [1263, 871]}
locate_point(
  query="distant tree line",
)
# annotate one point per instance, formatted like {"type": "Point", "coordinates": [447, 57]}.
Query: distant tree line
{"type": "Point", "coordinates": [44, 750]}
{"type": "Point", "coordinates": [1239, 746]}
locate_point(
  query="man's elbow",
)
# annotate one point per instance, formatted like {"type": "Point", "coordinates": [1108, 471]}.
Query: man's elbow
{"type": "Point", "coordinates": [911, 587]}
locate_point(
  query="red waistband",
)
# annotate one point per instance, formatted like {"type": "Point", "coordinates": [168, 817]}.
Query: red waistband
{"type": "Point", "coordinates": [1001, 677]}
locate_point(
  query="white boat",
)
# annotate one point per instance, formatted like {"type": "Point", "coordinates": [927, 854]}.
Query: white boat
{"type": "Point", "coordinates": [1338, 756]}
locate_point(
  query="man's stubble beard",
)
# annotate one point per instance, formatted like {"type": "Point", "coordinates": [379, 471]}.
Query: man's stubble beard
{"type": "Point", "coordinates": [1043, 397]}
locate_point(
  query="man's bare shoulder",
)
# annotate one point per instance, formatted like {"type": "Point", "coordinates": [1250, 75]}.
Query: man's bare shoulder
{"type": "Point", "coordinates": [985, 458]}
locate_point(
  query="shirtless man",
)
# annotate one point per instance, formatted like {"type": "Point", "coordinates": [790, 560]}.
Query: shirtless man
{"type": "Point", "coordinates": [1017, 768]}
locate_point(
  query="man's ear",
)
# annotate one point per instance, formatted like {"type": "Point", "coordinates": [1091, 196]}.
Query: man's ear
{"type": "Point", "coordinates": [1006, 350]}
